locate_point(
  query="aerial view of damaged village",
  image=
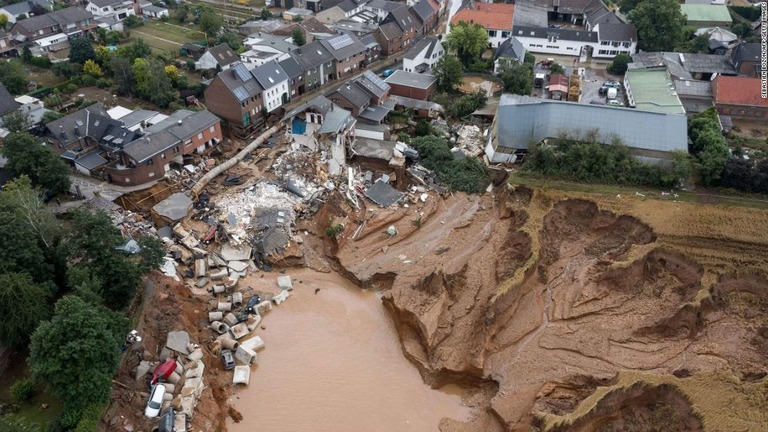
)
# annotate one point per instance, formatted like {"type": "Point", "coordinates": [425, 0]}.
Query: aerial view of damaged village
{"type": "Point", "coordinates": [383, 215]}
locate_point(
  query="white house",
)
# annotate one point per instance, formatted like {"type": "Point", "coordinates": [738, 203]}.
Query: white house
{"type": "Point", "coordinates": [423, 55]}
{"type": "Point", "coordinates": [220, 56]}
{"type": "Point", "coordinates": [14, 10]}
{"type": "Point", "coordinates": [120, 9]}
{"type": "Point", "coordinates": [154, 11]}
{"type": "Point", "coordinates": [496, 18]}
{"type": "Point", "coordinates": [606, 41]}
{"type": "Point", "coordinates": [510, 51]}
{"type": "Point", "coordinates": [260, 55]}
{"type": "Point", "coordinates": [274, 80]}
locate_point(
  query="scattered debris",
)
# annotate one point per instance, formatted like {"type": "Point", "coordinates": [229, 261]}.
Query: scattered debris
{"type": "Point", "coordinates": [383, 194]}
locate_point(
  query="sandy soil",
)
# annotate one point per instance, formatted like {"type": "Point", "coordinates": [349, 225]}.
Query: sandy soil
{"type": "Point", "coordinates": [471, 84]}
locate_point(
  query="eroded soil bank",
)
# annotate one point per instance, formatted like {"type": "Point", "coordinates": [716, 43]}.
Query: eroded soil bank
{"type": "Point", "coordinates": [568, 311]}
{"type": "Point", "coordinates": [333, 362]}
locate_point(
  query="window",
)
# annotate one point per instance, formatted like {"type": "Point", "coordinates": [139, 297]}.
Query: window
{"type": "Point", "coordinates": [603, 52]}
{"type": "Point", "coordinates": [149, 162]}
{"type": "Point", "coordinates": [200, 135]}
{"type": "Point", "coordinates": [212, 129]}
{"type": "Point", "coordinates": [175, 149]}
{"type": "Point", "coordinates": [505, 34]}
{"type": "Point", "coordinates": [604, 43]}
{"type": "Point", "coordinates": [626, 44]}
{"type": "Point", "coordinates": [492, 33]}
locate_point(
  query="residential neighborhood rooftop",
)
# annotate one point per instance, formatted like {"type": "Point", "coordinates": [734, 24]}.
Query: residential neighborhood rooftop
{"type": "Point", "coordinates": [706, 12]}
{"type": "Point", "coordinates": [410, 79]}
{"type": "Point", "coordinates": [653, 90]}
{"type": "Point", "coordinates": [736, 90]}
{"type": "Point", "coordinates": [489, 15]}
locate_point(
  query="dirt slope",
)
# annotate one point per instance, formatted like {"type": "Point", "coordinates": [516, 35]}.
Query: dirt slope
{"type": "Point", "coordinates": [577, 314]}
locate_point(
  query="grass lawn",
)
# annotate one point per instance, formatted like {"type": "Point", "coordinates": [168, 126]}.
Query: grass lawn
{"type": "Point", "coordinates": [32, 412]}
{"type": "Point", "coordinates": [721, 197]}
{"type": "Point", "coordinates": [44, 77]}
{"type": "Point", "coordinates": [175, 32]}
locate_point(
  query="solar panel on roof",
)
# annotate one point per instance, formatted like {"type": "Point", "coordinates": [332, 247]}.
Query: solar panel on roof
{"type": "Point", "coordinates": [240, 93]}
{"type": "Point", "coordinates": [242, 72]}
{"type": "Point", "coordinates": [340, 42]}
{"type": "Point", "coordinates": [376, 80]}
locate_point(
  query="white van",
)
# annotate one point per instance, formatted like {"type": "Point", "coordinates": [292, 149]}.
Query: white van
{"type": "Point", "coordinates": [611, 93]}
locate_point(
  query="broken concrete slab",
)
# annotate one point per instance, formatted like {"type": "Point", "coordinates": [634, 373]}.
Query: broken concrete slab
{"type": "Point", "coordinates": [242, 375]}
{"type": "Point", "coordinates": [254, 344]}
{"type": "Point", "coordinates": [284, 282]}
{"type": "Point", "coordinates": [142, 369]}
{"type": "Point", "coordinates": [253, 322]}
{"type": "Point", "coordinates": [231, 253]}
{"type": "Point", "coordinates": [180, 423]}
{"type": "Point", "coordinates": [238, 266]}
{"type": "Point", "coordinates": [165, 232]}
{"type": "Point", "coordinates": [217, 260]}
{"type": "Point", "coordinates": [239, 331]}
{"type": "Point", "coordinates": [178, 341]}
{"type": "Point", "coordinates": [219, 274]}
{"type": "Point", "coordinates": [284, 294]}
{"type": "Point", "coordinates": [203, 281]}
{"type": "Point", "coordinates": [200, 268]}
{"type": "Point", "coordinates": [195, 355]}
{"type": "Point", "coordinates": [383, 194]}
{"type": "Point", "coordinates": [245, 355]}
{"type": "Point", "coordinates": [264, 306]}
{"type": "Point", "coordinates": [174, 208]}
{"type": "Point", "coordinates": [230, 319]}
{"type": "Point", "coordinates": [169, 268]}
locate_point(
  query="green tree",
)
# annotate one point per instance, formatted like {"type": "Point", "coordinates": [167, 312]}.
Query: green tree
{"type": "Point", "coordinates": [467, 104]}
{"type": "Point", "coordinates": [210, 22]}
{"type": "Point", "coordinates": [81, 49]}
{"type": "Point", "coordinates": [659, 24]}
{"type": "Point", "coordinates": [3, 21]}
{"type": "Point", "coordinates": [298, 37]}
{"type": "Point", "coordinates": [26, 54]}
{"type": "Point", "coordinates": [33, 241]}
{"type": "Point", "coordinates": [50, 116]}
{"type": "Point", "coordinates": [517, 78]}
{"type": "Point", "coordinates": [467, 41]}
{"type": "Point", "coordinates": [92, 245]}
{"type": "Point", "coordinates": [529, 59]}
{"type": "Point", "coordinates": [17, 121]}
{"type": "Point", "coordinates": [742, 30]}
{"type": "Point", "coordinates": [448, 71]}
{"type": "Point", "coordinates": [230, 38]}
{"type": "Point", "coordinates": [711, 162]}
{"type": "Point", "coordinates": [91, 68]}
{"type": "Point", "coordinates": [467, 174]}
{"type": "Point", "coordinates": [557, 69]}
{"type": "Point", "coordinates": [122, 71]}
{"type": "Point", "coordinates": [152, 83]}
{"type": "Point", "coordinates": [265, 14]}
{"type": "Point", "coordinates": [23, 304]}
{"type": "Point", "coordinates": [75, 354]}
{"type": "Point", "coordinates": [628, 5]}
{"type": "Point", "coordinates": [13, 76]}
{"type": "Point", "coordinates": [26, 155]}
{"type": "Point", "coordinates": [181, 13]}
{"type": "Point", "coordinates": [132, 21]}
{"type": "Point", "coordinates": [619, 64]}
{"type": "Point", "coordinates": [422, 128]}
{"type": "Point", "coordinates": [138, 49]}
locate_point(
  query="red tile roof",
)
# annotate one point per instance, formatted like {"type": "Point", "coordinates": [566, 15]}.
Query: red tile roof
{"type": "Point", "coordinates": [492, 16]}
{"type": "Point", "coordinates": [738, 91]}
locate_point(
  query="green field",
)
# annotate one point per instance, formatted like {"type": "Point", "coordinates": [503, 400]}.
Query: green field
{"type": "Point", "coordinates": [167, 38]}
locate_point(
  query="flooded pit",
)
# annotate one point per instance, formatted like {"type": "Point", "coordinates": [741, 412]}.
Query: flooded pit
{"type": "Point", "coordinates": [333, 362]}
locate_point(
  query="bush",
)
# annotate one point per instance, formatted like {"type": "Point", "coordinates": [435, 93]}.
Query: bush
{"type": "Point", "coordinates": [23, 390]}
{"type": "Point", "coordinates": [334, 231]}
{"type": "Point", "coordinates": [90, 419]}
{"type": "Point", "coordinates": [41, 62]}
{"type": "Point", "coordinates": [619, 65]}
{"type": "Point", "coordinates": [87, 81]}
{"type": "Point", "coordinates": [584, 159]}
{"type": "Point", "coordinates": [103, 83]}
{"type": "Point", "coordinates": [467, 175]}
{"type": "Point", "coordinates": [69, 418]}
{"type": "Point", "coordinates": [750, 13]}
{"type": "Point", "coordinates": [467, 104]}
{"type": "Point", "coordinates": [69, 88]}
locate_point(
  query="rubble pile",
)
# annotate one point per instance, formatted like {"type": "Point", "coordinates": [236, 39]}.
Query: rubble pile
{"type": "Point", "coordinates": [191, 173]}
{"type": "Point", "coordinates": [470, 140]}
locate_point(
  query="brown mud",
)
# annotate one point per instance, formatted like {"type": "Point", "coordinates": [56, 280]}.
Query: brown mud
{"type": "Point", "coordinates": [537, 301]}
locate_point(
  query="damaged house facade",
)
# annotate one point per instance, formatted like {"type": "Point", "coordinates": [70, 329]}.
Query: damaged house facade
{"type": "Point", "coordinates": [101, 146]}
{"type": "Point", "coordinates": [322, 126]}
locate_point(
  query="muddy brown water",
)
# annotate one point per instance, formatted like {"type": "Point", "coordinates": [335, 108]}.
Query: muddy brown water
{"type": "Point", "coordinates": [333, 362]}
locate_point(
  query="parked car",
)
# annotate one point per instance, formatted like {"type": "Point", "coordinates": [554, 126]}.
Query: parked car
{"type": "Point", "coordinates": [387, 73]}
{"type": "Point", "coordinates": [228, 359]}
{"type": "Point", "coordinates": [615, 103]}
{"type": "Point", "coordinates": [608, 85]}
{"type": "Point", "coordinates": [155, 401]}
{"type": "Point", "coordinates": [611, 93]}
{"type": "Point", "coordinates": [538, 80]}
{"type": "Point", "coordinates": [163, 371]}
{"type": "Point", "coordinates": [167, 419]}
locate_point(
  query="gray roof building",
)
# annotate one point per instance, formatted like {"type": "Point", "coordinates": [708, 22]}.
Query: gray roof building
{"type": "Point", "coordinates": [223, 54]}
{"type": "Point", "coordinates": [92, 122]}
{"type": "Point", "coordinates": [291, 68]}
{"type": "Point", "coordinates": [269, 74]}
{"type": "Point", "coordinates": [404, 18]}
{"type": "Point", "coordinates": [343, 46]}
{"type": "Point", "coordinates": [241, 82]}
{"type": "Point", "coordinates": [372, 84]}
{"type": "Point", "coordinates": [104, 3]}
{"type": "Point", "coordinates": [618, 32]}
{"type": "Point", "coordinates": [7, 104]}
{"type": "Point", "coordinates": [136, 117]}
{"type": "Point", "coordinates": [511, 48]}
{"type": "Point", "coordinates": [311, 55]}
{"type": "Point", "coordinates": [682, 65]}
{"type": "Point", "coordinates": [321, 104]}
{"type": "Point", "coordinates": [411, 79]}
{"type": "Point", "coordinates": [560, 33]}
{"type": "Point", "coordinates": [370, 41]}
{"type": "Point", "coordinates": [358, 28]}
{"type": "Point", "coordinates": [522, 119]}
{"type": "Point", "coordinates": [391, 30]}
{"type": "Point", "coordinates": [146, 147]}
{"type": "Point", "coordinates": [423, 10]}
{"type": "Point", "coordinates": [530, 13]}
{"type": "Point", "coordinates": [356, 96]}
